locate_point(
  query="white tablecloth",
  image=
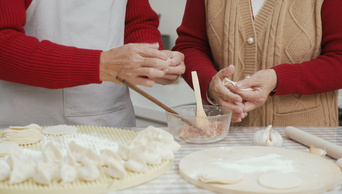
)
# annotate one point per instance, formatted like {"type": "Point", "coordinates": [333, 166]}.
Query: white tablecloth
{"type": "Point", "coordinates": [172, 182]}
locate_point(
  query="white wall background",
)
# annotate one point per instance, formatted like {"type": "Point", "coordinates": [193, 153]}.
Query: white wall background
{"type": "Point", "coordinates": [171, 16]}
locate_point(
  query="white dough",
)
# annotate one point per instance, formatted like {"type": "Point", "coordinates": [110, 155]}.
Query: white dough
{"type": "Point", "coordinates": [77, 151]}
{"type": "Point", "coordinates": [280, 181]}
{"type": "Point", "coordinates": [21, 171]}
{"type": "Point", "coordinates": [136, 162]}
{"type": "Point", "coordinates": [89, 172]}
{"type": "Point", "coordinates": [51, 154]}
{"type": "Point", "coordinates": [116, 169]}
{"type": "Point", "coordinates": [108, 155]}
{"type": "Point", "coordinates": [44, 173]}
{"type": "Point", "coordinates": [67, 173]}
{"type": "Point", "coordinates": [60, 130]}
{"type": "Point", "coordinates": [216, 174]}
{"type": "Point", "coordinates": [5, 169]}
{"type": "Point", "coordinates": [91, 156]}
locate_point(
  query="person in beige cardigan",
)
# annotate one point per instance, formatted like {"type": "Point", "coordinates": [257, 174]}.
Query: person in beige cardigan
{"type": "Point", "coordinates": [291, 49]}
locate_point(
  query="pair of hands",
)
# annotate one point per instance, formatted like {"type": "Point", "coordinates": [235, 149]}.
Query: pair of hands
{"type": "Point", "coordinates": [141, 64]}
{"type": "Point", "coordinates": [242, 101]}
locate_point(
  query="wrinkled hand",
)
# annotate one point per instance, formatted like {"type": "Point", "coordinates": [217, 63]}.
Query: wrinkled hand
{"type": "Point", "coordinates": [175, 69]}
{"type": "Point", "coordinates": [263, 82]}
{"type": "Point", "coordinates": [140, 64]}
{"type": "Point", "coordinates": [222, 96]}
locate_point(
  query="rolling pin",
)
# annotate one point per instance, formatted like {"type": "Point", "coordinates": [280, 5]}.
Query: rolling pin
{"type": "Point", "coordinates": [307, 139]}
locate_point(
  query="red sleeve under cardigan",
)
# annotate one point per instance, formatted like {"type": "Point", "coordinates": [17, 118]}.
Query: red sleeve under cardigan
{"type": "Point", "coordinates": [26, 60]}
{"type": "Point", "coordinates": [316, 76]}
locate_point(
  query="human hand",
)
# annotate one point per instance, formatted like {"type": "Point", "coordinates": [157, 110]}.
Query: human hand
{"type": "Point", "coordinates": [138, 63]}
{"type": "Point", "coordinates": [175, 69]}
{"type": "Point", "coordinates": [263, 82]}
{"type": "Point", "coordinates": [222, 96]}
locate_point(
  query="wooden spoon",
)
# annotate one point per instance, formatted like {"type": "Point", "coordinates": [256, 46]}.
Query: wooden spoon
{"type": "Point", "coordinates": [200, 113]}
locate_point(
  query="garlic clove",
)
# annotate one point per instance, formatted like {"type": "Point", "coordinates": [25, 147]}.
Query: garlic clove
{"type": "Point", "coordinates": [267, 137]}
{"type": "Point", "coordinates": [317, 151]}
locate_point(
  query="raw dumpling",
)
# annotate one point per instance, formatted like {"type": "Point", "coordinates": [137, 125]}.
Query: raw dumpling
{"type": "Point", "coordinates": [89, 172]}
{"type": "Point", "coordinates": [70, 159]}
{"type": "Point", "coordinates": [108, 155]}
{"type": "Point", "coordinates": [51, 154]}
{"type": "Point", "coordinates": [67, 173]}
{"type": "Point", "coordinates": [116, 169]}
{"type": "Point", "coordinates": [21, 171]}
{"type": "Point", "coordinates": [44, 173]}
{"type": "Point", "coordinates": [124, 152]}
{"type": "Point", "coordinates": [164, 152]}
{"type": "Point", "coordinates": [136, 162]}
{"type": "Point", "coordinates": [77, 151]}
{"type": "Point", "coordinates": [5, 169]}
{"type": "Point", "coordinates": [149, 154]}
{"type": "Point", "coordinates": [92, 157]}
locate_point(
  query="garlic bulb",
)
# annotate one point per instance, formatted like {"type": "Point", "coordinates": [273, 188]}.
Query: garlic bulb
{"type": "Point", "coordinates": [317, 151]}
{"type": "Point", "coordinates": [339, 163]}
{"type": "Point", "coordinates": [267, 137]}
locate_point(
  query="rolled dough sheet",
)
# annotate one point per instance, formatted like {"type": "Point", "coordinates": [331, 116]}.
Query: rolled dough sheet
{"type": "Point", "coordinates": [317, 174]}
{"type": "Point", "coordinates": [280, 181]}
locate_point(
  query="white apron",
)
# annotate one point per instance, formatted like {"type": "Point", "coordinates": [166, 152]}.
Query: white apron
{"type": "Point", "coordinates": [85, 24]}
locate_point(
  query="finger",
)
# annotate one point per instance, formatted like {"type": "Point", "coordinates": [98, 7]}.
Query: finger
{"type": "Point", "coordinates": [235, 108]}
{"type": "Point", "coordinates": [155, 63]}
{"type": "Point", "coordinates": [175, 70]}
{"type": "Point", "coordinates": [143, 81]}
{"type": "Point", "coordinates": [150, 72]}
{"type": "Point", "coordinates": [249, 106]}
{"type": "Point", "coordinates": [229, 95]}
{"type": "Point", "coordinates": [176, 58]}
{"type": "Point", "coordinates": [226, 72]}
{"type": "Point", "coordinates": [147, 50]}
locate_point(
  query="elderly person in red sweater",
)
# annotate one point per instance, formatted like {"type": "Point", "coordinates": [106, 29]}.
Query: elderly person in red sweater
{"type": "Point", "coordinates": [291, 49]}
{"type": "Point", "coordinates": [59, 60]}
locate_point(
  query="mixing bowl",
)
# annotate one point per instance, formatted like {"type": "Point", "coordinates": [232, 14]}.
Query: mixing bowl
{"type": "Point", "coordinates": [187, 127]}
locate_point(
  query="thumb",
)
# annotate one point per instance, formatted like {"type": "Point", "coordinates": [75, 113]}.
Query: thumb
{"type": "Point", "coordinates": [227, 72]}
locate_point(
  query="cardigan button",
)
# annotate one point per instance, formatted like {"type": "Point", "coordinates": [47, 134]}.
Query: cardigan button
{"type": "Point", "coordinates": [250, 40]}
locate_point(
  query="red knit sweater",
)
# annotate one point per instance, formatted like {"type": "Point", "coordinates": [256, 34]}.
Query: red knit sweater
{"type": "Point", "coordinates": [316, 76]}
{"type": "Point", "coordinates": [26, 60]}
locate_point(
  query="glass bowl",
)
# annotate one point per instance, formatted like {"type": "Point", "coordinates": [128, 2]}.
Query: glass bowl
{"type": "Point", "coordinates": [191, 129]}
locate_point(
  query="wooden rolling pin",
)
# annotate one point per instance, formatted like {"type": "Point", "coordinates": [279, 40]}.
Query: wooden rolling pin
{"type": "Point", "coordinates": [307, 139]}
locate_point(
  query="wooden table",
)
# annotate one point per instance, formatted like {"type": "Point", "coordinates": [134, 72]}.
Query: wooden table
{"type": "Point", "coordinates": [172, 182]}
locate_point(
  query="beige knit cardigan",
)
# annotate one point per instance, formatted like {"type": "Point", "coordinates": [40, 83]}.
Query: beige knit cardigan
{"type": "Point", "coordinates": [284, 31]}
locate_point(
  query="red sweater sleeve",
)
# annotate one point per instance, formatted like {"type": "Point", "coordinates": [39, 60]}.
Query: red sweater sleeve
{"type": "Point", "coordinates": [142, 23]}
{"type": "Point", "coordinates": [26, 60]}
{"type": "Point", "coordinates": [323, 73]}
{"type": "Point", "coordinates": [193, 42]}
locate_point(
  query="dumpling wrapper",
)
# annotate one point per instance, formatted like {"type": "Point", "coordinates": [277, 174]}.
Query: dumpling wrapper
{"type": "Point", "coordinates": [60, 130]}
{"type": "Point", "coordinates": [219, 175]}
{"type": "Point", "coordinates": [280, 181]}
